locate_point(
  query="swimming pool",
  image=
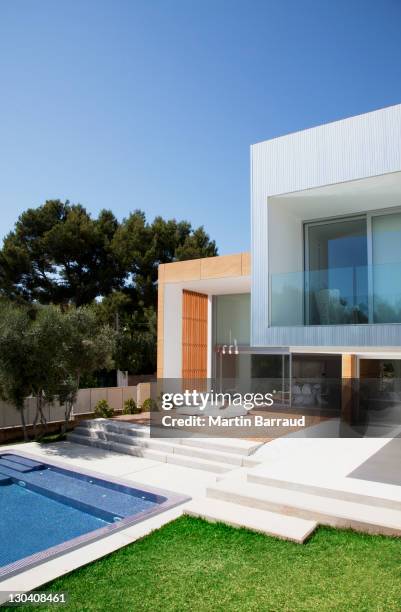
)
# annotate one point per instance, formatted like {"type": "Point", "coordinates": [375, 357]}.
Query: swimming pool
{"type": "Point", "coordinates": [46, 509]}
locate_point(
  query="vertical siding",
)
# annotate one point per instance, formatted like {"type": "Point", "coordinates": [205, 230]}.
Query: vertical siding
{"type": "Point", "coordinates": [194, 334]}
{"type": "Point", "coordinates": [359, 147]}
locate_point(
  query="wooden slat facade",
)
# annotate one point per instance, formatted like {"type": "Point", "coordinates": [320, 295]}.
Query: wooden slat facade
{"type": "Point", "coordinates": [194, 335]}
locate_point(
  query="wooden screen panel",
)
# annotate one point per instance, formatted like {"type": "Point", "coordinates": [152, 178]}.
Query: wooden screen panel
{"type": "Point", "coordinates": [194, 335]}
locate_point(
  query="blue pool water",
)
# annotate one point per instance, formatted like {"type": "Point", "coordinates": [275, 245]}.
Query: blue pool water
{"type": "Point", "coordinates": [42, 506]}
{"type": "Point", "coordinates": [31, 523]}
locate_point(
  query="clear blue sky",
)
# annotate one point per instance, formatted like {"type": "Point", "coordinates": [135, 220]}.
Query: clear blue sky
{"type": "Point", "coordinates": [154, 104]}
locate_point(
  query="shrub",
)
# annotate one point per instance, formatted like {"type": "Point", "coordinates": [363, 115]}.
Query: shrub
{"type": "Point", "coordinates": [149, 405]}
{"type": "Point", "coordinates": [103, 410]}
{"type": "Point", "coordinates": [130, 406]}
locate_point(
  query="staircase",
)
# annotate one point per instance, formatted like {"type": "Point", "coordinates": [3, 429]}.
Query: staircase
{"type": "Point", "coordinates": [286, 510]}
{"type": "Point", "coordinates": [247, 497]}
{"type": "Point", "coordinates": [216, 455]}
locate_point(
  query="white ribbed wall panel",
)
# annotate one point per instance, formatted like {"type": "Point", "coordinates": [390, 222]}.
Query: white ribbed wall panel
{"type": "Point", "coordinates": [351, 149]}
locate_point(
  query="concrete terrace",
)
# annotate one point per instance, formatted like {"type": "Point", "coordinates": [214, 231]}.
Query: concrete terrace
{"type": "Point", "coordinates": [285, 488]}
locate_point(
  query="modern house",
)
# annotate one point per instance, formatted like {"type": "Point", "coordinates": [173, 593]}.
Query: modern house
{"type": "Point", "coordinates": [319, 296]}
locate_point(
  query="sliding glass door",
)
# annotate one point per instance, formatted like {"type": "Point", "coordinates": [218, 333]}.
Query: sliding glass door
{"type": "Point", "coordinates": [386, 267]}
{"type": "Point", "coordinates": [353, 270]}
{"type": "Point", "coordinates": [336, 278]}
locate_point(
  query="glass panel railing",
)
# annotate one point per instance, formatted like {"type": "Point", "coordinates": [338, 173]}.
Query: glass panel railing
{"type": "Point", "coordinates": [386, 283]}
{"type": "Point", "coordinates": [337, 296]}
{"type": "Point", "coordinates": [287, 299]}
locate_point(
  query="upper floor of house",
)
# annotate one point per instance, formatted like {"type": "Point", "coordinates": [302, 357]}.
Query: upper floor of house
{"type": "Point", "coordinates": [326, 252]}
{"type": "Point", "coordinates": [326, 234]}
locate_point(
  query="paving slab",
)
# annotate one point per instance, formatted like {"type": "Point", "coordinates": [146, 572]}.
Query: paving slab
{"type": "Point", "coordinates": [179, 479]}
{"type": "Point", "coordinates": [99, 460]}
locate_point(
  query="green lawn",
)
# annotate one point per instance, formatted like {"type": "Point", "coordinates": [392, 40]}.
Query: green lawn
{"type": "Point", "coordinates": [191, 565]}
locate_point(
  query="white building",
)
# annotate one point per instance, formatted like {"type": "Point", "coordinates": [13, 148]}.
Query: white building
{"type": "Point", "coordinates": [320, 294]}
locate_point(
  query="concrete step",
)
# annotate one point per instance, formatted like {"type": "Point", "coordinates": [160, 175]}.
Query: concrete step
{"type": "Point", "coordinates": [237, 460]}
{"type": "Point", "coordinates": [148, 453]}
{"type": "Point", "coordinates": [269, 523]}
{"type": "Point", "coordinates": [115, 426]}
{"type": "Point", "coordinates": [123, 438]}
{"type": "Point", "coordinates": [224, 445]}
{"type": "Point", "coordinates": [231, 445]}
{"type": "Point", "coordinates": [136, 451]}
{"type": "Point", "coordinates": [341, 493]}
{"type": "Point", "coordinates": [324, 510]}
{"type": "Point", "coordinates": [175, 446]}
{"type": "Point", "coordinates": [199, 464]}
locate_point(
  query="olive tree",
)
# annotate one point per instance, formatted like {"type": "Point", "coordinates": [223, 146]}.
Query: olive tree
{"type": "Point", "coordinates": [87, 346]}
{"type": "Point", "coordinates": [16, 358]}
{"type": "Point", "coordinates": [47, 336]}
{"type": "Point", "coordinates": [44, 352]}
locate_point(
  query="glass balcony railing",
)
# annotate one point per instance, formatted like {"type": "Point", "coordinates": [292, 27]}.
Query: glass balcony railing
{"type": "Point", "coordinates": [337, 296]}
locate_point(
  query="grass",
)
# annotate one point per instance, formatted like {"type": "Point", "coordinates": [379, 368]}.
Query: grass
{"type": "Point", "coordinates": [193, 566]}
{"type": "Point", "coordinates": [50, 438]}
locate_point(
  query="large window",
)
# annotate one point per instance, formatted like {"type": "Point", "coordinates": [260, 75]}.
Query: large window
{"type": "Point", "coordinates": [336, 279]}
{"type": "Point", "coordinates": [246, 372]}
{"type": "Point", "coordinates": [353, 270]}
{"type": "Point", "coordinates": [232, 319]}
{"type": "Point", "coordinates": [386, 268]}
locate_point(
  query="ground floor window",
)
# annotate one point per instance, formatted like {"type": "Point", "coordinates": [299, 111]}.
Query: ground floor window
{"type": "Point", "coordinates": [299, 380]}
{"type": "Point", "coordinates": [231, 319]}
{"type": "Point", "coordinates": [380, 384]}
{"type": "Point", "coordinates": [316, 381]}
{"type": "Point", "coordinates": [241, 369]}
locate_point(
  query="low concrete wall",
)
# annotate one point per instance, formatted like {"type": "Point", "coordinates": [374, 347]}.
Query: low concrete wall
{"type": "Point", "coordinates": [84, 405]}
{"type": "Point", "coordinates": [115, 397]}
{"type": "Point", "coordinates": [10, 417]}
{"type": "Point", "coordinates": [135, 379]}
